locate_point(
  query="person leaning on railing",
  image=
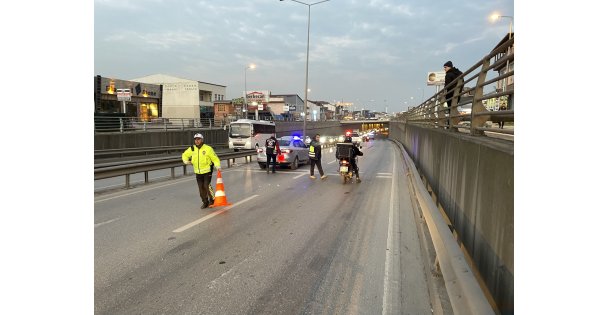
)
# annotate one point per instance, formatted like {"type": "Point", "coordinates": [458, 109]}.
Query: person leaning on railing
{"type": "Point", "coordinates": [201, 157]}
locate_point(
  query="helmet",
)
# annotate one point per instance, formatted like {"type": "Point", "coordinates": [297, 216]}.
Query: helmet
{"type": "Point", "coordinates": [348, 139]}
{"type": "Point", "coordinates": [198, 135]}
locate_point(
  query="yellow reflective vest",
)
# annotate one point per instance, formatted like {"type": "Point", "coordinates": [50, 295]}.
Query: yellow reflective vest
{"type": "Point", "coordinates": [201, 158]}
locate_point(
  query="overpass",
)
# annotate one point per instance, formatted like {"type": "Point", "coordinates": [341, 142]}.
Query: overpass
{"type": "Point", "coordinates": [294, 244]}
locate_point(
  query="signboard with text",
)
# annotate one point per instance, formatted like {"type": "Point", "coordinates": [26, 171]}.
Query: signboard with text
{"type": "Point", "coordinates": [123, 94]}
{"type": "Point", "coordinates": [435, 78]}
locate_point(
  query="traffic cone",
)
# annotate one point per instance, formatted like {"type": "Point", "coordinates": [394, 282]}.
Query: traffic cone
{"type": "Point", "coordinates": [220, 195]}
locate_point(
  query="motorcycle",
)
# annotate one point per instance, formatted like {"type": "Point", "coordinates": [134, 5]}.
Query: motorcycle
{"type": "Point", "coordinates": [345, 170]}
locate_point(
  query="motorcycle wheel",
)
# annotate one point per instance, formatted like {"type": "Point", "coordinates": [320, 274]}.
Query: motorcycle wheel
{"type": "Point", "coordinates": [344, 179]}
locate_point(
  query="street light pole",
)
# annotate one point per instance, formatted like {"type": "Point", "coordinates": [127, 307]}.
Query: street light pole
{"type": "Point", "coordinates": [307, 52]}
{"type": "Point", "coordinates": [422, 97]}
{"type": "Point", "coordinates": [246, 108]}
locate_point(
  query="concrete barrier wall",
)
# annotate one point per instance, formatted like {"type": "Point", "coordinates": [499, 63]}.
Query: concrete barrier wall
{"type": "Point", "coordinates": [330, 128]}
{"type": "Point", "coordinates": [473, 178]}
{"type": "Point", "coordinates": [139, 139]}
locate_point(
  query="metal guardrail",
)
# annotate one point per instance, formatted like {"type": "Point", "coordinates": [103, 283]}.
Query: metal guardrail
{"type": "Point", "coordinates": [147, 150]}
{"type": "Point", "coordinates": [435, 113]}
{"type": "Point", "coordinates": [115, 169]}
{"type": "Point", "coordinates": [125, 124]}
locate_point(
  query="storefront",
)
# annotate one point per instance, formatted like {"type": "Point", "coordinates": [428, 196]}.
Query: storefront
{"type": "Point", "coordinates": [136, 100]}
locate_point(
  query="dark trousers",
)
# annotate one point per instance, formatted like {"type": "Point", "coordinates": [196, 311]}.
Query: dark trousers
{"type": "Point", "coordinates": [203, 181]}
{"type": "Point", "coordinates": [354, 166]}
{"type": "Point", "coordinates": [274, 161]}
{"type": "Point", "coordinates": [312, 167]}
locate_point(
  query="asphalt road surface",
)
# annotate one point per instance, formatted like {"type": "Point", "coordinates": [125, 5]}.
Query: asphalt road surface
{"type": "Point", "coordinates": [288, 244]}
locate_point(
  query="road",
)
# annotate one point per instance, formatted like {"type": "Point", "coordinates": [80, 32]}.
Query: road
{"type": "Point", "coordinates": [287, 245]}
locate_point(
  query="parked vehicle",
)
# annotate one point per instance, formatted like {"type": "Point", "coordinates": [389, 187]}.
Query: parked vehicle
{"type": "Point", "coordinates": [249, 134]}
{"type": "Point", "coordinates": [356, 139]}
{"type": "Point", "coordinates": [293, 153]}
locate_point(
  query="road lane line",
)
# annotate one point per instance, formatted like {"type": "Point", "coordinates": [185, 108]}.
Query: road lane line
{"type": "Point", "coordinates": [389, 245]}
{"type": "Point", "coordinates": [177, 181]}
{"type": "Point", "coordinates": [106, 222]}
{"type": "Point", "coordinates": [211, 215]}
{"type": "Point", "coordinates": [332, 162]}
{"type": "Point", "coordinates": [300, 175]}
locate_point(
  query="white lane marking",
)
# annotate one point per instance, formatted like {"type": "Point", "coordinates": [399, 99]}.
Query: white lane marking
{"type": "Point", "coordinates": [389, 244]}
{"type": "Point", "coordinates": [106, 222]}
{"type": "Point", "coordinates": [332, 162]}
{"type": "Point", "coordinates": [380, 176]}
{"type": "Point", "coordinates": [211, 215]}
{"type": "Point", "coordinates": [176, 181]}
{"type": "Point", "coordinates": [143, 190]}
{"type": "Point", "coordinates": [384, 173]}
{"type": "Point", "coordinates": [300, 175]}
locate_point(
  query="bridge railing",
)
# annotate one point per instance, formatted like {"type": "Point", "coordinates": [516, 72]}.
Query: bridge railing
{"type": "Point", "coordinates": [435, 112]}
{"type": "Point", "coordinates": [125, 124]}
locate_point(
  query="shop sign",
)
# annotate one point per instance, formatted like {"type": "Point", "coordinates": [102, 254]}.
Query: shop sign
{"type": "Point", "coordinates": [123, 94]}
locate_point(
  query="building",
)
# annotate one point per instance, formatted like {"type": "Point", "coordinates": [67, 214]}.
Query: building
{"type": "Point", "coordinates": [292, 102]}
{"type": "Point", "coordinates": [224, 112]}
{"type": "Point", "coordinates": [184, 98]}
{"type": "Point", "coordinates": [127, 98]}
{"type": "Point", "coordinates": [503, 65]}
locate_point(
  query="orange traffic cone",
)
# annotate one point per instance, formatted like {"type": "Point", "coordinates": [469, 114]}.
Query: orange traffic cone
{"type": "Point", "coordinates": [220, 195]}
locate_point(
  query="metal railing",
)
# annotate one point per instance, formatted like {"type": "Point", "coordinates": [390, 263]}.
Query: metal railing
{"type": "Point", "coordinates": [126, 124]}
{"type": "Point", "coordinates": [108, 153]}
{"type": "Point", "coordinates": [435, 113]}
{"type": "Point", "coordinates": [127, 168]}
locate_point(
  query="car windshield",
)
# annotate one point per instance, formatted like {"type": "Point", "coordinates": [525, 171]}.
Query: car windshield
{"type": "Point", "coordinates": [284, 143]}
{"type": "Point", "coordinates": [240, 130]}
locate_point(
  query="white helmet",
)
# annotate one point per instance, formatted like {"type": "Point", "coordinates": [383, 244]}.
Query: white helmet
{"type": "Point", "coordinates": [198, 135]}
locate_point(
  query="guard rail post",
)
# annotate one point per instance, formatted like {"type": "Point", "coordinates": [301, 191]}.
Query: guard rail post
{"type": "Point", "coordinates": [477, 119]}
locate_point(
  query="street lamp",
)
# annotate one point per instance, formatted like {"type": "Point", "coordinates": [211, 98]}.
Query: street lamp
{"type": "Point", "coordinates": [307, 51]}
{"type": "Point", "coordinates": [246, 108]}
{"type": "Point", "coordinates": [495, 17]}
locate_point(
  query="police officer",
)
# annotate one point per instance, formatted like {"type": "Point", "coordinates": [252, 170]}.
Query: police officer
{"type": "Point", "coordinates": [353, 160]}
{"type": "Point", "coordinates": [201, 156]}
{"type": "Point", "coordinates": [314, 153]}
{"type": "Point", "coordinates": [272, 149]}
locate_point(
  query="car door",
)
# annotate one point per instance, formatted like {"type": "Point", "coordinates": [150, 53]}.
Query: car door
{"type": "Point", "coordinates": [300, 149]}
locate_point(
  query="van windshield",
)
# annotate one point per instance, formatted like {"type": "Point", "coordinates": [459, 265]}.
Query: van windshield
{"type": "Point", "coordinates": [240, 130]}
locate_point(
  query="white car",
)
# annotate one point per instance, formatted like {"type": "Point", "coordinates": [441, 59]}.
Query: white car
{"type": "Point", "coordinates": [356, 138]}
{"type": "Point", "coordinates": [293, 153]}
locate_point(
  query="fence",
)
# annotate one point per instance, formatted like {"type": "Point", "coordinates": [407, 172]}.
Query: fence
{"type": "Point", "coordinates": [125, 124]}
{"type": "Point", "coordinates": [435, 113]}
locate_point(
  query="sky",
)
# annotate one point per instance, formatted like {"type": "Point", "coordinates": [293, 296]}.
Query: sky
{"type": "Point", "coordinates": [373, 53]}
{"type": "Point", "coordinates": [52, 50]}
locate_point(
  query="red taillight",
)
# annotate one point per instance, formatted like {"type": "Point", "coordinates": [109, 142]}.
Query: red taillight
{"type": "Point", "coordinates": [260, 150]}
{"type": "Point", "coordinates": [345, 162]}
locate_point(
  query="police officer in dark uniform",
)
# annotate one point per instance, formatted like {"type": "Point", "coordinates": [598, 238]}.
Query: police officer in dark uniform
{"type": "Point", "coordinates": [272, 149]}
